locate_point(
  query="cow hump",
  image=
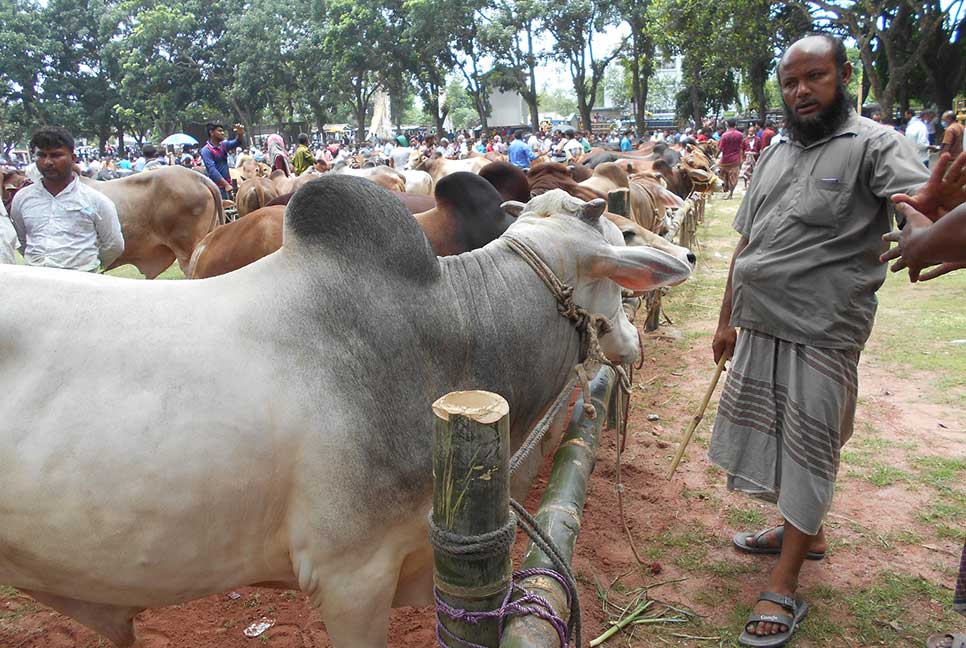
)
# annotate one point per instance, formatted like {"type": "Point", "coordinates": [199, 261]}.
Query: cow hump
{"type": "Point", "coordinates": [356, 219]}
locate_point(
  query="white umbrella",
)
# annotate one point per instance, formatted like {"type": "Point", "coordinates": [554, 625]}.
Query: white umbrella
{"type": "Point", "coordinates": [178, 138]}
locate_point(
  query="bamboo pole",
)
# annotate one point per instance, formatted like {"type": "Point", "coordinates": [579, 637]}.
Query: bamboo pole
{"type": "Point", "coordinates": [697, 417]}
{"type": "Point", "coordinates": [653, 301]}
{"type": "Point", "coordinates": [471, 494]}
{"type": "Point", "coordinates": [560, 514]}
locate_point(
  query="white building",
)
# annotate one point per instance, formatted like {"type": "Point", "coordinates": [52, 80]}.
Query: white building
{"type": "Point", "coordinates": [665, 83]}
{"type": "Point", "coordinates": [507, 109]}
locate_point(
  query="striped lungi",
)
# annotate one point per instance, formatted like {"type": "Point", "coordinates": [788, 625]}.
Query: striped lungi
{"type": "Point", "coordinates": [959, 598]}
{"type": "Point", "coordinates": [785, 412]}
{"type": "Point", "coordinates": [729, 175]}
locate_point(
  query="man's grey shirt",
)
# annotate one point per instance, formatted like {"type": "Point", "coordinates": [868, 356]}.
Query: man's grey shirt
{"type": "Point", "coordinates": [814, 218]}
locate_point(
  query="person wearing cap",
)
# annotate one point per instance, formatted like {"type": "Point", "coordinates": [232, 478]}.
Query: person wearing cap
{"type": "Point", "coordinates": [215, 154]}
{"type": "Point", "coordinates": [400, 155]}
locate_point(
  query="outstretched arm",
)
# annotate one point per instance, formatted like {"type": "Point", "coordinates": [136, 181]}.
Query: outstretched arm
{"type": "Point", "coordinates": [944, 191]}
{"type": "Point", "coordinates": [922, 243]}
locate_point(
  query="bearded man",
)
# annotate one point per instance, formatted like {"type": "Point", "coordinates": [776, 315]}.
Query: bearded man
{"type": "Point", "coordinates": [802, 289]}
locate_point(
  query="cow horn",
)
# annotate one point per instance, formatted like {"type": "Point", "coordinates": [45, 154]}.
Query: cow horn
{"type": "Point", "coordinates": [593, 209]}
{"type": "Point", "coordinates": [513, 207]}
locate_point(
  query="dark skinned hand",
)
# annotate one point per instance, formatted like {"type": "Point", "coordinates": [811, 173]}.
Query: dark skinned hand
{"type": "Point", "coordinates": [945, 190]}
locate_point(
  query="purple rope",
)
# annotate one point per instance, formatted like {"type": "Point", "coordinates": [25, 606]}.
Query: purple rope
{"type": "Point", "coordinates": [525, 604]}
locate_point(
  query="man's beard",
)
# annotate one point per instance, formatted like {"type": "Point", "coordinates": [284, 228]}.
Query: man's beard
{"type": "Point", "coordinates": [807, 130]}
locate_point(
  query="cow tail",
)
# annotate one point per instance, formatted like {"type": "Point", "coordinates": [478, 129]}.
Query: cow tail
{"type": "Point", "coordinates": [219, 206]}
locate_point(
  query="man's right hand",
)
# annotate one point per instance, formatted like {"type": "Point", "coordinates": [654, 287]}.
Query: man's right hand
{"type": "Point", "coordinates": [723, 343]}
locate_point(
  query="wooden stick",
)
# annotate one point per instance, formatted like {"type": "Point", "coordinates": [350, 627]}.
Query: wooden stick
{"type": "Point", "coordinates": [697, 417]}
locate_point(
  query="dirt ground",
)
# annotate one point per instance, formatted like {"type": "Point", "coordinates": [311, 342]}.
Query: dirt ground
{"type": "Point", "coordinates": [895, 532]}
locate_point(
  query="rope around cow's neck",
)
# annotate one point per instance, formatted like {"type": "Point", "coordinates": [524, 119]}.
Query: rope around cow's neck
{"type": "Point", "coordinates": [590, 326]}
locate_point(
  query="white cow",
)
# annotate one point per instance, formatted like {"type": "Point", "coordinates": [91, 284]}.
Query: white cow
{"type": "Point", "coordinates": [162, 441]}
{"type": "Point", "coordinates": [418, 182]}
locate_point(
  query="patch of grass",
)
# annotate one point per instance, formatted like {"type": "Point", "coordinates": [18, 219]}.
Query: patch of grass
{"type": "Point", "coordinates": [941, 512]}
{"type": "Point", "coordinates": [936, 308]}
{"type": "Point", "coordinates": [854, 458]}
{"type": "Point", "coordinates": [691, 538]}
{"type": "Point", "coordinates": [889, 600]}
{"type": "Point", "coordinates": [875, 443]}
{"type": "Point", "coordinates": [745, 518]}
{"type": "Point", "coordinates": [731, 568]}
{"type": "Point", "coordinates": [939, 472]}
{"type": "Point", "coordinates": [693, 558]}
{"type": "Point", "coordinates": [819, 628]}
{"type": "Point", "coordinates": [882, 475]}
{"type": "Point", "coordinates": [653, 552]}
{"type": "Point", "coordinates": [130, 272]}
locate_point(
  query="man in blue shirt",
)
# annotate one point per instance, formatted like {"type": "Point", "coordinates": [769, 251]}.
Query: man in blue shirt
{"type": "Point", "coordinates": [626, 144]}
{"type": "Point", "coordinates": [520, 153]}
{"type": "Point", "coordinates": [215, 154]}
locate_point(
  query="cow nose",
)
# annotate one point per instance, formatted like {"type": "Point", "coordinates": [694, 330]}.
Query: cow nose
{"type": "Point", "coordinates": [691, 258]}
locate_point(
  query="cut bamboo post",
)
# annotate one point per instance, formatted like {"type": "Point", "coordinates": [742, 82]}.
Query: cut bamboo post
{"type": "Point", "coordinates": [560, 514]}
{"type": "Point", "coordinates": [697, 417]}
{"type": "Point", "coordinates": [471, 495]}
{"type": "Point", "coordinates": [619, 202]}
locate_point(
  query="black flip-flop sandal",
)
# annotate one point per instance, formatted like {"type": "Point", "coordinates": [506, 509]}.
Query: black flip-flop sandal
{"type": "Point", "coordinates": [740, 542]}
{"type": "Point", "coordinates": [797, 609]}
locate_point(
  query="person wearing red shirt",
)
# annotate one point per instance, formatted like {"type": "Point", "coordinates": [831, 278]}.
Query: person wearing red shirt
{"type": "Point", "coordinates": [750, 148]}
{"type": "Point", "coordinates": [730, 149]}
{"type": "Point", "coordinates": [767, 134]}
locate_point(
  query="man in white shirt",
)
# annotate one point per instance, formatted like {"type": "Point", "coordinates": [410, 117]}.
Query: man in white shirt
{"type": "Point", "coordinates": [60, 222]}
{"type": "Point", "coordinates": [917, 131]}
{"type": "Point", "coordinates": [400, 154]}
{"type": "Point", "coordinates": [8, 237]}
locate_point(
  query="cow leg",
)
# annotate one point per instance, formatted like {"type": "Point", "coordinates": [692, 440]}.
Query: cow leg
{"type": "Point", "coordinates": [354, 599]}
{"type": "Point", "coordinates": [114, 622]}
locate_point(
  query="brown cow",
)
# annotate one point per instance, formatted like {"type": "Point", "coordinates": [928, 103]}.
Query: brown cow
{"type": "Point", "coordinates": [467, 215]}
{"type": "Point", "coordinates": [554, 175]}
{"type": "Point", "coordinates": [238, 243]}
{"type": "Point", "coordinates": [510, 180]}
{"type": "Point", "coordinates": [648, 200]}
{"type": "Point", "coordinates": [164, 215]}
{"type": "Point", "coordinates": [253, 194]}
{"type": "Point", "coordinates": [13, 181]}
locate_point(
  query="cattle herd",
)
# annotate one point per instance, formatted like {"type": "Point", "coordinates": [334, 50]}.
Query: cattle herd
{"type": "Point", "coordinates": [268, 425]}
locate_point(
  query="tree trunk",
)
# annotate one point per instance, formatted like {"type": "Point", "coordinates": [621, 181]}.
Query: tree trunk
{"type": "Point", "coordinates": [531, 96]}
{"type": "Point", "coordinates": [103, 133]}
{"type": "Point", "coordinates": [697, 109]}
{"type": "Point", "coordinates": [757, 76]}
{"type": "Point", "coordinates": [242, 114]}
{"type": "Point", "coordinates": [584, 107]}
{"type": "Point", "coordinates": [120, 139]}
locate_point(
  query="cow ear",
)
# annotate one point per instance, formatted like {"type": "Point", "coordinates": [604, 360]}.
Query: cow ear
{"type": "Point", "coordinates": [513, 207]}
{"type": "Point", "coordinates": [640, 268]}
